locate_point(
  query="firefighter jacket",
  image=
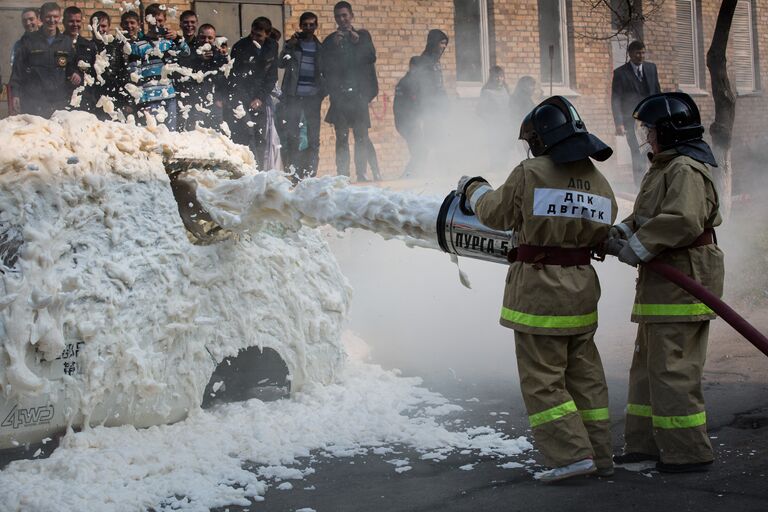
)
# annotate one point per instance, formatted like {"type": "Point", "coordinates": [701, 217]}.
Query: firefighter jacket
{"type": "Point", "coordinates": [40, 72]}
{"type": "Point", "coordinates": [676, 203]}
{"type": "Point", "coordinates": [554, 205]}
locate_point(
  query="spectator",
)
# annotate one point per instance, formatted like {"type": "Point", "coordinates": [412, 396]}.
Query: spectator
{"type": "Point", "coordinates": [521, 102]}
{"type": "Point", "coordinates": [431, 97]}
{"type": "Point", "coordinates": [188, 23]}
{"type": "Point", "coordinates": [253, 76]}
{"type": "Point", "coordinates": [155, 96]}
{"type": "Point", "coordinates": [104, 81]}
{"type": "Point", "coordinates": [404, 108]}
{"type": "Point", "coordinates": [349, 69]}
{"type": "Point", "coordinates": [632, 82]}
{"type": "Point", "coordinates": [30, 20]}
{"type": "Point", "coordinates": [493, 109]}
{"type": "Point", "coordinates": [84, 50]}
{"type": "Point", "coordinates": [302, 95]}
{"type": "Point", "coordinates": [205, 97]}
{"type": "Point", "coordinates": [272, 158]}
{"type": "Point", "coordinates": [41, 65]}
{"type": "Point", "coordinates": [131, 25]}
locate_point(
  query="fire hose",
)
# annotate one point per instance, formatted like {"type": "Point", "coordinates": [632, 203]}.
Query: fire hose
{"type": "Point", "coordinates": [464, 235]}
{"type": "Point", "coordinates": [722, 309]}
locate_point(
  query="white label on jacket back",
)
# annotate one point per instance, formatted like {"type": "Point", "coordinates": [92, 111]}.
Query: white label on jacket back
{"type": "Point", "coordinates": [555, 202]}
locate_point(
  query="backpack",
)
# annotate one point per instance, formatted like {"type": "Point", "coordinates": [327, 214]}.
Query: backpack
{"type": "Point", "coordinates": [404, 104]}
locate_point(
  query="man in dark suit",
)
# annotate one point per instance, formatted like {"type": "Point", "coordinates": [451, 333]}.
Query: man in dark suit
{"type": "Point", "coordinates": [632, 82]}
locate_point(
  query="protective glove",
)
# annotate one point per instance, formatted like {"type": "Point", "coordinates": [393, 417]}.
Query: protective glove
{"type": "Point", "coordinates": [615, 233]}
{"type": "Point", "coordinates": [461, 190]}
{"type": "Point", "coordinates": [613, 246]}
{"type": "Point", "coordinates": [628, 256]}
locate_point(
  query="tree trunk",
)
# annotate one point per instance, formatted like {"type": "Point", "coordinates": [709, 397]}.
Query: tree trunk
{"type": "Point", "coordinates": [721, 129]}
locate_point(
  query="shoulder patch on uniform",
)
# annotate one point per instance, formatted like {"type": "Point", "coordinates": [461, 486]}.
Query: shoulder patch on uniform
{"type": "Point", "coordinates": [555, 202]}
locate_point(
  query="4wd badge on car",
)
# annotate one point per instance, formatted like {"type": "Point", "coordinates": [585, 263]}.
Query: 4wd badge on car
{"type": "Point", "coordinates": [30, 416]}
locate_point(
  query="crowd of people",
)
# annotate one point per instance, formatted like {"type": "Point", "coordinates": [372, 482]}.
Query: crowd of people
{"type": "Point", "coordinates": [188, 79]}
{"type": "Point", "coordinates": [145, 72]}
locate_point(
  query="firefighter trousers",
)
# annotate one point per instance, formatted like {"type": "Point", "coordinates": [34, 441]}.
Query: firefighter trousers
{"type": "Point", "coordinates": [564, 390]}
{"type": "Point", "coordinates": [665, 407]}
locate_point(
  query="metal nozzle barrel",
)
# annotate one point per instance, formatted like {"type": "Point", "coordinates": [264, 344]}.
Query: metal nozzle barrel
{"type": "Point", "coordinates": [464, 235]}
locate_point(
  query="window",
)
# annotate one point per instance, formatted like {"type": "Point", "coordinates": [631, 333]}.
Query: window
{"type": "Point", "coordinates": [627, 26]}
{"type": "Point", "coordinates": [688, 56]}
{"type": "Point", "coordinates": [472, 53]}
{"type": "Point", "coordinates": [742, 44]}
{"type": "Point", "coordinates": [553, 43]}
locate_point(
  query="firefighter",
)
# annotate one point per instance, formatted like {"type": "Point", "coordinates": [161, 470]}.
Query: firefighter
{"type": "Point", "coordinates": [559, 206]}
{"type": "Point", "coordinates": [673, 220]}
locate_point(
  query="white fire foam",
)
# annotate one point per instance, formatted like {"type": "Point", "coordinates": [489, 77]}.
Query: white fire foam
{"type": "Point", "coordinates": [248, 203]}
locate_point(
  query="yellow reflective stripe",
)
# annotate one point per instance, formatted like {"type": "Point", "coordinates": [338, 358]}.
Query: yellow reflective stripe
{"type": "Point", "coordinates": [552, 414]}
{"type": "Point", "coordinates": [594, 414]}
{"type": "Point", "coordinates": [639, 410]}
{"type": "Point", "coordinates": [690, 421]}
{"type": "Point", "coordinates": [552, 321]}
{"type": "Point", "coordinates": [671, 309]}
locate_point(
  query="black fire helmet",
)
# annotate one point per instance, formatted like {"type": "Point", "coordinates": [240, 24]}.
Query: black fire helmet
{"type": "Point", "coordinates": [674, 115]}
{"type": "Point", "coordinates": [677, 121]}
{"type": "Point", "coordinates": [555, 128]}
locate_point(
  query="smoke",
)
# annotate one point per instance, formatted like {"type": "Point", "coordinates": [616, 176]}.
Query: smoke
{"type": "Point", "coordinates": [410, 306]}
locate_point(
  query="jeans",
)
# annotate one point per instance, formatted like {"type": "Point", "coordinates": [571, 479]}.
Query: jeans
{"type": "Point", "coordinates": [305, 161]}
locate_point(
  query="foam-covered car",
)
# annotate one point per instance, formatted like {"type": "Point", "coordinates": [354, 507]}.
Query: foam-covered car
{"type": "Point", "coordinates": [120, 303]}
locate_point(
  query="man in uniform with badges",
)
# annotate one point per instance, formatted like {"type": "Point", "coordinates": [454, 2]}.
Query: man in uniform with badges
{"type": "Point", "coordinates": [673, 222]}
{"type": "Point", "coordinates": [560, 207]}
{"type": "Point", "coordinates": [42, 65]}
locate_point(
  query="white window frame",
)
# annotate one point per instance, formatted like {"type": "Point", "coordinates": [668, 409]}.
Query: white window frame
{"type": "Point", "coordinates": [753, 87]}
{"type": "Point", "coordinates": [696, 88]}
{"type": "Point", "coordinates": [471, 89]}
{"type": "Point", "coordinates": [562, 88]}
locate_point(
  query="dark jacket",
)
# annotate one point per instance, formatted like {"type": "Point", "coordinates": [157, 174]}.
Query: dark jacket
{"type": "Point", "coordinates": [85, 50]}
{"type": "Point", "coordinates": [428, 74]}
{"type": "Point", "coordinates": [40, 73]}
{"type": "Point", "coordinates": [350, 69]}
{"type": "Point", "coordinates": [254, 72]}
{"type": "Point", "coordinates": [290, 60]}
{"type": "Point", "coordinates": [627, 90]}
{"type": "Point", "coordinates": [213, 83]}
{"type": "Point", "coordinates": [115, 76]}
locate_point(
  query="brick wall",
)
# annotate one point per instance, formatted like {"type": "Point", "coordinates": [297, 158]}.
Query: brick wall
{"type": "Point", "coordinates": [399, 30]}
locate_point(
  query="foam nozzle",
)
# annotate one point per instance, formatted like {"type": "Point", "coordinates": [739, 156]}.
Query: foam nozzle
{"type": "Point", "coordinates": [462, 234]}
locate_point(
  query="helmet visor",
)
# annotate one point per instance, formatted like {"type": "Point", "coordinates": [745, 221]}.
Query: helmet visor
{"type": "Point", "coordinates": [642, 130]}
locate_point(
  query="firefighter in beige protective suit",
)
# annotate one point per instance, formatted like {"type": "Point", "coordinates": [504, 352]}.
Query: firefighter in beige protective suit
{"type": "Point", "coordinates": [560, 207]}
{"type": "Point", "coordinates": [673, 220]}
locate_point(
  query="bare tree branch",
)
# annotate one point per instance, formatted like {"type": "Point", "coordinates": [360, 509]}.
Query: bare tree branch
{"type": "Point", "coordinates": [625, 17]}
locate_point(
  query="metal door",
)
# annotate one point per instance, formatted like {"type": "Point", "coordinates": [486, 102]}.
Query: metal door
{"type": "Point", "coordinates": [232, 19]}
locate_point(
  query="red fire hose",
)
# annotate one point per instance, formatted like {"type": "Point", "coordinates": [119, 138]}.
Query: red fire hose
{"type": "Point", "coordinates": [722, 309]}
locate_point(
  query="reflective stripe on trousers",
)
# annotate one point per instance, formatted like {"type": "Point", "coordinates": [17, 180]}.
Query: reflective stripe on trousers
{"type": "Point", "coordinates": [671, 309]}
{"type": "Point", "coordinates": [549, 321]}
{"type": "Point", "coordinates": [668, 422]}
{"type": "Point", "coordinates": [561, 410]}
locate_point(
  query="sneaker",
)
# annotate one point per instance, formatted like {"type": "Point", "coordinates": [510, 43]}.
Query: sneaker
{"type": "Point", "coordinates": [582, 467]}
{"type": "Point", "coordinates": [605, 472]}
{"type": "Point", "coordinates": [634, 458]}
{"type": "Point", "coordinates": [693, 467]}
